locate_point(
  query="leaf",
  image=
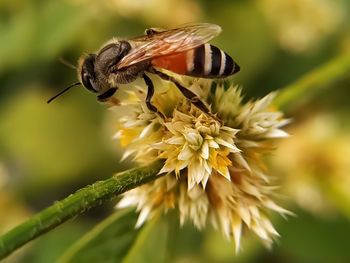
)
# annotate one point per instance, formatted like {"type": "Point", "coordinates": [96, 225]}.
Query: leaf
{"type": "Point", "coordinates": [116, 240]}
{"type": "Point", "coordinates": [151, 244]}
{"type": "Point", "coordinates": [109, 241]}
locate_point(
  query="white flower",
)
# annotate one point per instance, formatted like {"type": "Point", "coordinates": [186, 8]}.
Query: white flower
{"type": "Point", "coordinates": [213, 171]}
{"type": "Point", "coordinates": [195, 141]}
{"type": "Point", "coordinates": [301, 25]}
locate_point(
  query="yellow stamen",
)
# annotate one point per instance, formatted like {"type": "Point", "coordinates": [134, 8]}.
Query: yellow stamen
{"type": "Point", "coordinates": [127, 135]}
{"type": "Point", "coordinates": [220, 160]}
{"type": "Point", "coordinates": [177, 171]}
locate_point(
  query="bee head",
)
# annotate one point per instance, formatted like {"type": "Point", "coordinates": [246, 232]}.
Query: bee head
{"type": "Point", "coordinates": [87, 73]}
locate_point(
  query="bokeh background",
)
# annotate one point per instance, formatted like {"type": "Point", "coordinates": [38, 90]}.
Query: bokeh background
{"type": "Point", "coordinates": [49, 151]}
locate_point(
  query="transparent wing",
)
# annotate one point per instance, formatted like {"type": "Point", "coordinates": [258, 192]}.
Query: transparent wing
{"type": "Point", "coordinates": [161, 43]}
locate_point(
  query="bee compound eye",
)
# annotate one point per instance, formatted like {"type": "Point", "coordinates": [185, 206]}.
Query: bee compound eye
{"type": "Point", "coordinates": [88, 75]}
{"type": "Point", "coordinates": [87, 82]}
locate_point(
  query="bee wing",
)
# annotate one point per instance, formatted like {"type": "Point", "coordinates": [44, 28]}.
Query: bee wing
{"type": "Point", "coordinates": [161, 43]}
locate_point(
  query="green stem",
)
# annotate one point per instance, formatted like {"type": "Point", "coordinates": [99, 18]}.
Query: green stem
{"type": "Point", "coordinates": [313, 82]}
{"type": "Point", "coordinates": [75, 204]}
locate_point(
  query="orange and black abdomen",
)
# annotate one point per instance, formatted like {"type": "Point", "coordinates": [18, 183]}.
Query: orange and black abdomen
{"type": "Point", "coordinates": [205, 61]}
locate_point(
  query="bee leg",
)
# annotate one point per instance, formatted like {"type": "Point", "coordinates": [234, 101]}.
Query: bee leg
{"type": "Point", "coordinates": [152, 31]}
{"type": "Point", "coordinates": [105, 96]}
{"type": "Point", "coordinates": [150, 93]}
{"type": "Point", "coordinates": [188, 94]}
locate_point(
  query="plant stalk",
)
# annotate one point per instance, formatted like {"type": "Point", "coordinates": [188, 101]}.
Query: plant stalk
{"type": "Point", "coordinates": [313, 82]}
{"type": "Point", "coordinates": [75, 204]}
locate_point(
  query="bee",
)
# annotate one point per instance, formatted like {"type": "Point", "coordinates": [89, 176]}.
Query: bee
{"type": "Point", "coordinates": [183, 50]}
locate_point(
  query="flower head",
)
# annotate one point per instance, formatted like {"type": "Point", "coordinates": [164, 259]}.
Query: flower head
{"type": "Point", "coordinates": [197, 142]}
{"type": "Point", "coordinates": [301, 25]}
{"type": "Point", "coordinates": [214, 170]}
{"type": "Point", "coordinates": [320, 148]}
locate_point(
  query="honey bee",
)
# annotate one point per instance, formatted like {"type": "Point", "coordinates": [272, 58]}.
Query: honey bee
{"type": "Point", "coordinates": [183, 50]}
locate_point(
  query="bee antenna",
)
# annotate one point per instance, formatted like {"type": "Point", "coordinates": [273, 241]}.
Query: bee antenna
{"type": "Point", "coordinates": [67, 63]}
{"type": "Point", "coordinates": [63, 91]}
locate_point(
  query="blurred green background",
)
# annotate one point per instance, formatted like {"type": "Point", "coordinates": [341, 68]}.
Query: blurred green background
{"type": "Point", "coordinates": [49, 151]}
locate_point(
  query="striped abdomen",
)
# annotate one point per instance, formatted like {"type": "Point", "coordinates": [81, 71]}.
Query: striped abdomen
{"type": "Point", "coordinates": [205, 61]}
